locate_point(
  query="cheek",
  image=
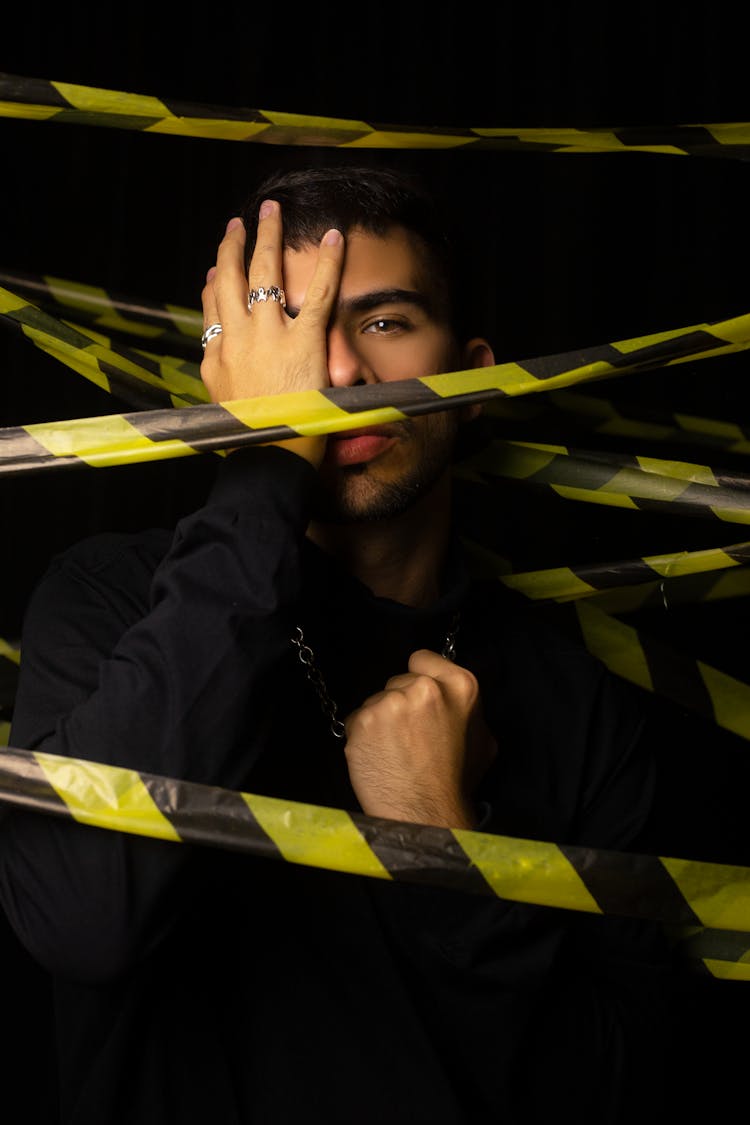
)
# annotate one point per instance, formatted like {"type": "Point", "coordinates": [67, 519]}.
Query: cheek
{"type": "Point", "coordinates": [410, 358]}
{"type": "Point", "coordinates": [437, 432]}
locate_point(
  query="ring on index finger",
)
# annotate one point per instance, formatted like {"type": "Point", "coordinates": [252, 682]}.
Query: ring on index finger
{"type": "Point", "coordinates": [271, 293]}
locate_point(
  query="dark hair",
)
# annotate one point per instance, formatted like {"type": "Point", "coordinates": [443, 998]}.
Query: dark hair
{"type": "Point", "coordinates": [373, 199]}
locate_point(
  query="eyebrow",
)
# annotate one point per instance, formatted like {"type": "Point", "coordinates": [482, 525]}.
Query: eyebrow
{"type": "Point", "coordinates": [377, 297]}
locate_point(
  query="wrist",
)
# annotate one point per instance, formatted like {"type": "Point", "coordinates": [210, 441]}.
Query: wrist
{"type": "Point", "coordinates": [311, 449]}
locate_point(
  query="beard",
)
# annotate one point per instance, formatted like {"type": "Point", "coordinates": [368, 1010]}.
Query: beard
{"type": "Point", "coordinates": [356, 493]}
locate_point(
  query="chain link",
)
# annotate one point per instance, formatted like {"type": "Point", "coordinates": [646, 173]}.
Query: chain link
{"type": "Point", "coordinates": [329, 708]}
{"type": "Point", "coordinates": [307, 659]}
{"type": "Point", "coordinates": [449, 645]}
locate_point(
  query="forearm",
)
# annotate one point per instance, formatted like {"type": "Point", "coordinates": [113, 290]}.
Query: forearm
{"type": "Point", "coordinates": [185, 691]}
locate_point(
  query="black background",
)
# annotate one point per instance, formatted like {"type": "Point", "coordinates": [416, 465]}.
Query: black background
{"type": "Point", "coordinates": [570, 251]}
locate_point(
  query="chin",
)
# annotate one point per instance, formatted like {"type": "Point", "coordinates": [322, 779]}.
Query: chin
{"type": "Point", "coordinates": [356, 497]}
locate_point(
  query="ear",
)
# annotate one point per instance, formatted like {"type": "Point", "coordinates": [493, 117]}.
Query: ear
{"type": "Point", "coordinates": [476, 353]}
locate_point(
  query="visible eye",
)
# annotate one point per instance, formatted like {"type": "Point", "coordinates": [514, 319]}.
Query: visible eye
{"type": "Point", "coordinates": [385, 326]}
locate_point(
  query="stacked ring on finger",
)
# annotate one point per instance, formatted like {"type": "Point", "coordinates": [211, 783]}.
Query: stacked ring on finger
{"type": "Point", "coordinates": [272, 293]}
{"type": "Point", "coordinates": [211, 331]}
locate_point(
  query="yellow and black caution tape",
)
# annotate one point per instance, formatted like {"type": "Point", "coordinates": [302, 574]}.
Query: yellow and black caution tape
{"type": "Point", "coordinates": [10, 652]}
{"type": "Point", "coordinates": [38, 99]}
{"type": "Point", "coordinates": [161, 434]}
{"type": "Point", "coordinates": [585, 580]}
{"type": "Point", "coordinates": [625, 585]}
{"type": "Point", "coordinates": [147, 380]}
{"type": "Point", "coordinates": [649, 663]}
{"type": "Point", "coordinates": [688, 589]}
{"type": "Point", "coordinates": [135, 376]}
{"type": "Point", "coordinates": [656, 667]}
{"type": "Point", "coordinates": [724, 953]}
{"type": "Point", "coordinates": [131, 316]}
{"type": "Point", "coordinates": [617, 480]}
{"type": "Point", "coordinates": [600, 416]}
{"type": "Point", "coordinates": [683, 894]}
{"type": "Point", "coordinates": [628, 652]}
{"type": "Point", "coordinates": [166, 323]}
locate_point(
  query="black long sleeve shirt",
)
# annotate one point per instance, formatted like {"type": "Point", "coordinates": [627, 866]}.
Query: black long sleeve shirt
{"type": "Point", "coordinates": [196, 985]}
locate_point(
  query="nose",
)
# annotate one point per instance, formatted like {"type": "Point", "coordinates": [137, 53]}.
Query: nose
{"type": "Point", "coordinates": [346, 366]}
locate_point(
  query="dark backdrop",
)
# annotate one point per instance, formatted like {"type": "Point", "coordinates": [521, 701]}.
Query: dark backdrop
{"type": "Point", "coordinates": [570, 251]}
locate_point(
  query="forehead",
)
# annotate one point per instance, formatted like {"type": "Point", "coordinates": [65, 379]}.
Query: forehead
{"type": "Point", "coordinates": [395, 260]}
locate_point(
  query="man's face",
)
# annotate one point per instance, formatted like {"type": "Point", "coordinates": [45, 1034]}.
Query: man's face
{"type": "Point", "coordinates": [386, 326]}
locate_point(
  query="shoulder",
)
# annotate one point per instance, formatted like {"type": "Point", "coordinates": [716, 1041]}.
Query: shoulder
{"type": "Point", "coordinates": [116, 568]}
{"type": "Point", "coordinates": [111, 552]}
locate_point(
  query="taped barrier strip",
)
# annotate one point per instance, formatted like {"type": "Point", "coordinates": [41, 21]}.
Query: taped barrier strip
{"type": "Point", "coordinates": [617, 480]}
{"type": "Point", "coordinates": [689, 589]}
{"type": "Point", "coordinates": [647, 662]}
{"type": "Point", "coordinates": [178, 325]}
{"type": "Point", "coordinates": [722, 953]}
{"type": "Point", "coordinates": [675, 892]}
{"type": "Point", "coordinates": [10, 652]}
{"type": "Point", "coordinates": [109, 310]}
{"type": "Point", "coordinates": [622, 586]}
{"type": "Point", "coordinates": [132, 375]}
{"type": "Point", "coordinates": [144, 320]}
{"type": "Point", "coordinates": [37, 99]}
{"type": "Point", "coordinates": [150, 382]}
{"type": "Point", "coordinates": [610, 419]}
{"type": "Point", "coordinates": [590, 579]}
{"type": "Point", "coordinates": [650, 664]}
{"type": "Point", "coordinates": [161, 434]}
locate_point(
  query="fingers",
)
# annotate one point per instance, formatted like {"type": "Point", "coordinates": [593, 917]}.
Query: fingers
{"type": "Point", "coordinates": [324, 284]}
{"type": "Point", "coordinates": [266, 262]}
{"type": "Point", "coordinates": [227, 288]}
{"type": "Point", "coordinates": [459, 681]}
{"type": "Point", "coordinates": [208, 299]}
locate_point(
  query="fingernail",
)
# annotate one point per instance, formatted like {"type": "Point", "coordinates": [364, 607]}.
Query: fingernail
{"type": "Point", "coordinates": [332, 238]}
{"type": "Point", "coordinates": [210, 273]}
{"type": "Point", "coordinates": [266, 208]}
{"type": "Point", "coordinates": [233, 224]}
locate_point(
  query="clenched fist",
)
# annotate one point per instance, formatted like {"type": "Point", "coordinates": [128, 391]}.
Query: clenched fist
{"type": "Point", "coordinates": [416, 750]}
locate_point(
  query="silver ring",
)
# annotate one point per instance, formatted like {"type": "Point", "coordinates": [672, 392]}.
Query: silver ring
{"type": "Point", "coordinates": [272, 293]}
{"type": "Point", "coordinates": [211, 331]}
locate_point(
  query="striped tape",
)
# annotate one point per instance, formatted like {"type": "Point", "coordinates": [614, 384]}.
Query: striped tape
{"type": "Point", "coordinates": [628, 652]}
{"type": "Point", "coordinates": [177, 325]}
{"type": "Point", "coordinates": [661, 571]}
{"type": "Point", "coordinates": [643, 660]}
{"type": "Point", "coordinates": [688, 589]}
{"type": "Point", "coordinates": [37, 99]}
{"type": "Point", "coordinates": [618, 480]}
{"type": "Point", "coordinates": [601, 416]}
{"type": "Point", "coordinates": [675, 892]}
{"type": "Point", "coordinates": [134, 375]}
{"type": "Point", "coordinates": [722, 953]}
{"type": "Point", "coordinates": [161, 434]}
{"type": "Point", "coordinates": [10, 652]}
{"type": "Point", "coordinates": [656, 667]}
{"type": "Point", "coordinates": [109, 311]}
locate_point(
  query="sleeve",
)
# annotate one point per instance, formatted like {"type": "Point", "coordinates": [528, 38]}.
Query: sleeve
{"type": "Point", "coordinates": [178, 687]}
{"type": "Point", "coordinates": [618, 774]}
{"type": "Point", "coordinates": [554, 986]}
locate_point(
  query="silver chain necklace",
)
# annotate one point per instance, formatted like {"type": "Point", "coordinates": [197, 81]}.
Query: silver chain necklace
{"type": "Point", "coordinates": [309, 662]}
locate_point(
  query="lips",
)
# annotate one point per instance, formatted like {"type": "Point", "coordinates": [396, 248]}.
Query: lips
{"type": "Point", "coordinates": [356, 447]}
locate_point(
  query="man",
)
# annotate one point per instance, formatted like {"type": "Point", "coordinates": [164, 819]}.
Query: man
{"type": "Point", "coordinates": [194, 985]}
